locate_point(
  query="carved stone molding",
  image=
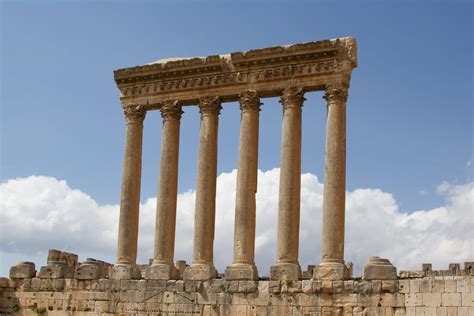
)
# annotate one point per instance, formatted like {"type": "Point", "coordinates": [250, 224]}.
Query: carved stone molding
{"type": "Point", "coordinates": [292, 97]}
{"type": "Point", "coordinates": [171, 110]}
{"type": "Point", "coordinates": [134, 114]}
{"type": "Point", "coordinates": [249, 101]}
{"type": "Point", "coordinates": [268, 71]}
{"type": "Point", "coordinates": [335, 92]}
{"type": "Point", "coordinates": [210, 105]}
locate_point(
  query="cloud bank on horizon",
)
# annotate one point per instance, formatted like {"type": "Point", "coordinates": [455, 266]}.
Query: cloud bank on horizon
{"type": "Point", "coordinates": [38, 213]}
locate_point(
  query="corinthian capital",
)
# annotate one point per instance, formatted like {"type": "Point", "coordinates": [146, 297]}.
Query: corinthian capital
{"type": "Point", "coordinates": [249, 101]}
{"type": "Point", "coordinates": [171, 110]}
{"type": "Point", "coordinates": [210, 105]}
{"type": "Point", "coordinates": [134, 114]}
{"type": "Point", "coordinates": [293, 97]}
{"type": "Point", "coordinates": [335, 92]}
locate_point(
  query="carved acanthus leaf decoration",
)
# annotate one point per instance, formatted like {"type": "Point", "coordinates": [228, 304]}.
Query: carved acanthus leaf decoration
{"type": "Point", "coordinates": [134, 113]}
{"type": "Point", "coordinates": [210, 105]}
{"type": "Point", "coordinates": [335, 92]}
{"type": "Point", "coordinates": [292, 97]}
{"type": "Point", "coordinates": [249, 101]}
{"type": "Point", "coordinates": [171, 110]}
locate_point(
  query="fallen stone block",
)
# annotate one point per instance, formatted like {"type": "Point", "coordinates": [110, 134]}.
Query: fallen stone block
{"type": "Point", "coordinates": [379, 269]}
{"type": "Point", "coordinates": [92, 269]}
{"type": "Point", "coordinates": [23, 270]}
{"type": "Point", "coordinates": [69, 259]}
{"type": "Point", "coordinates": [55, 270]}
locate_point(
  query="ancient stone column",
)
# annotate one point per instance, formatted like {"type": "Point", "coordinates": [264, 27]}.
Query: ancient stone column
{"type": "Point", "coordinates": [162, 267]}
{"type": "Point", "coordinates": [332, 265]}
{"type": "Point", "coordinates": [243, 266]}
{"type": "Point", "coordinates": [287, 266]}
{"type": "Point", "coordinates": [125, 268]}
{"type": "Point", "coordinates": [202, 267]}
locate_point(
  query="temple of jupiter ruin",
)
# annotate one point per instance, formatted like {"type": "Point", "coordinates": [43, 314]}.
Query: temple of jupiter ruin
{"type": "Point", "coordinates": [169, 86]}
{"type": "Point", "coordinates": [66, 286]}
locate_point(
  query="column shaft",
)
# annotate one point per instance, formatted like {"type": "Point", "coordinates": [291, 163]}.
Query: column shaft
{"type": "Point", "coordinates": [243, 266]}
{"type": "Point", "coordinates": [332, 248]}
{"type": "Point", "coordinates": [163, 265]}
{"type": "Point", "coordinates": [202, 267]}
{"type": "Point", "coordinates": [130, 196]}
{"type": "Point", "coordinates": [287, 266]}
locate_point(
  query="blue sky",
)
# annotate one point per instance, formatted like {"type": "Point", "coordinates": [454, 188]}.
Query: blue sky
{"type": "Point", "coordinates": [410, 119]}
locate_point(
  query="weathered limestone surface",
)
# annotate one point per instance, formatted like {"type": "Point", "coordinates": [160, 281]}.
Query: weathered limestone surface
{"type": "Point", "coordinates": [92, 269]}
{"type": "Point", "coordinates": [60, 265]}
{"type": "Point", "coordinates": [202, 267]}
{"type": "Point", "coordinates": [267, 70]}
{"type": "Point", "coordinates": [428, 295]}
{"type": "Point", "coordinates": [379, 269]}
{"type": "Point", "coordinates": [163, 267]}
{"type": "Point", "coordinates": [243, 266]}
{"type": "Point", "coordinates": [287, 266]}
{"type": "Point", "coordinates": [23, 270]}
{"type": "Point", "coordinates": [130, 197]}
{"type": "Point", "coordinates": [424, 292]}
{"type": "Point", "coordinates": [332, 253]}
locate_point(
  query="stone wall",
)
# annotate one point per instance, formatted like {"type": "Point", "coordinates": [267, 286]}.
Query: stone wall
{"type": "Point", "coordinates": [424, 292]}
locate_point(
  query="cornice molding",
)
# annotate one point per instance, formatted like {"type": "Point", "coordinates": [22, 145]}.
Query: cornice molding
{"type": "Point", "coordinates": [308, 65]}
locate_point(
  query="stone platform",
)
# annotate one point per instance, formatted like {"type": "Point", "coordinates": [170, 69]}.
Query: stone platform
{"type": "Point", "coordinates": [90, 291]}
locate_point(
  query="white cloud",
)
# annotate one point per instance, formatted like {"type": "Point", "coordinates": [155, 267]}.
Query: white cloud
{"type": "Point", "coordinates": [38, 213]}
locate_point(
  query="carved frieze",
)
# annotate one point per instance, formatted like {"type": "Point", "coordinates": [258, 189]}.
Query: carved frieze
{"type": "Point", "coordinates": [233, 78]}
{"type": "Point", "coordinates": [308, 63]}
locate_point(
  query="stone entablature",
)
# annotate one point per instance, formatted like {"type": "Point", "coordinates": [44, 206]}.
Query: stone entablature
{"type": "Point", "coordinates": [268, 71]}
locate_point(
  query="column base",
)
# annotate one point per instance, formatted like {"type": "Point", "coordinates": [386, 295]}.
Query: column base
{"type": "Point", "coordinates": [200, 272]}
{"type": "Point", "coordinates": [285, 271]}
{"type": "Point", "coordinates": [159, 271]}
{"type": "Point", "coordinates": [241, 271]}
{"type": "Point", "coordinates": [122, 271]}
{"type": "Point", "coordinates": [331, 271]}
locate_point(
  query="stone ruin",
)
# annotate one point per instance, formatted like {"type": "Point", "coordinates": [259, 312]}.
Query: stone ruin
{"type": "Point", "coordinates": [162, 287]}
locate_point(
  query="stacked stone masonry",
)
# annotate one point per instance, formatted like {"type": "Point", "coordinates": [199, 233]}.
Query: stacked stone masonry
{"type": "Point", "coordinates": [424, 292]}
